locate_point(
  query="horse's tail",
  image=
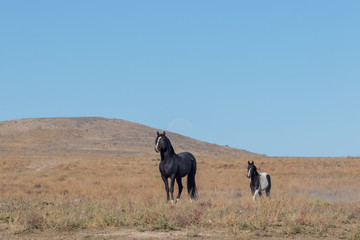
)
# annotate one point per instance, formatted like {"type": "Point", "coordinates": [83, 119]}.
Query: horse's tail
{"type": "Point", "coordinates": [191, 186]}
{"type": "Point", "coordinates": [269, 181]}
{"type": "Point", "coordinates": [269, 186]}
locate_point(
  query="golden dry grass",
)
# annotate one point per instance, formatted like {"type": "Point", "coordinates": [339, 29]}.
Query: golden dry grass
{"type": "Point", "coordinates": [57, 192]}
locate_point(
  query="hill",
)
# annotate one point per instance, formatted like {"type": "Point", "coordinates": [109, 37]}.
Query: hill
{"type": "Point", "coordinates": [97, 134]}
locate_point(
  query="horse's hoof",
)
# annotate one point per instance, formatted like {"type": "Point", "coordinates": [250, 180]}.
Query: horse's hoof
{"type": "Point", "coordinates": [177, 200]}
{"type": "Point", "coordinates": [172, 201]}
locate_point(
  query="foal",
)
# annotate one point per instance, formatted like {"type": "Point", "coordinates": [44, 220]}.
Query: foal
{"type": "Point", "coordinates": [259, 181]}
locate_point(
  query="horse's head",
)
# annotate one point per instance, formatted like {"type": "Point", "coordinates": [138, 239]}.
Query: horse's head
{"type": "Point", "coordinates": [161, 142]}
{"type": "Point", "coordinates": [250, 169]}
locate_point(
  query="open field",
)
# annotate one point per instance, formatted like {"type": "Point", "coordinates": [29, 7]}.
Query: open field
{"type": "Point", "coordinates": [99, 195]}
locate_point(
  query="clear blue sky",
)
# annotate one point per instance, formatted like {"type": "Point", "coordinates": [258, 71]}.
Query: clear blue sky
{"type": "Point", "coordinates": [280, 78]}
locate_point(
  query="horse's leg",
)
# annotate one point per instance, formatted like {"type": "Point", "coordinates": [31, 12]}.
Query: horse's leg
{"type": "Point", "coordinates": [268, 192]}
{"type": "Point", "coordinates": [252, 189]}
{"type": "Point", "coordinates": [172, 182]}
{"type": "Point", "coordinates": [259, 193]}
{"type": "Point", "coordinates": [180, 186]}
{"type": "Point", "coordinates": [256, 193]}
{"type": "Point", "coordinates": [166, 186]}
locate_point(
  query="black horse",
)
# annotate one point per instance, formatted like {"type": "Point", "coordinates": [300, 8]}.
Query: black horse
{"type": "Point", "coordinates": [259, 181]}
{"type": "Point", "coordinates": [175, 166]}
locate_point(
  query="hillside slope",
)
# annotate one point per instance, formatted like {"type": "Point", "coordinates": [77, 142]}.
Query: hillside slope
{"type": "Point", "coordinates": [97, 134]}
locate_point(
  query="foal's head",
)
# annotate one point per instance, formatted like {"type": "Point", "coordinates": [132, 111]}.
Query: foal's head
{"type": "Point", "coordinates": [251, 169]}
{"type": "Point", "coordinates": [161, 142]}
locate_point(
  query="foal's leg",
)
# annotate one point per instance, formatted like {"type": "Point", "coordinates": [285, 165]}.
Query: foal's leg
{"type": "Point", "coordinates": [172, 182]}
{"type": "Point", "coordinates": [268, 192]}
{"type": "Point", "coordinates": [180, 186]}
{"type": "Point", "coordinates": [256, 193]}
{"type": "Point", "coordinates": [252, 187]}
{"type": "Point", "coordinates": [166, 186]}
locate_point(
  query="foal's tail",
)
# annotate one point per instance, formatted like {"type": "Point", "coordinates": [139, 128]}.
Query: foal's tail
{"type": "Point", "coordinates": [269, 186]}
{"type": "Point", "coordinates": [191, 186]}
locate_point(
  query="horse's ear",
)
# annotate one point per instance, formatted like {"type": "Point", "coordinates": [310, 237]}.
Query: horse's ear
{"type": "Point", "coordinates": [164, 133]}
{"type": "Point", "coordinates": [248, 162]}
{"type": "Point", "coordinates": [158, 133]}
{"type": "Point", "coordinates": [252, 162]}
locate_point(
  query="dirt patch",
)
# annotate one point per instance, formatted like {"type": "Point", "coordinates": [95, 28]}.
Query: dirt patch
{"type": "Point", "coordinates": [131, 234]}
{"type": "Point", "coordinates": [42, 165]}
{"type": "Point", "coordinates": [124, 234]}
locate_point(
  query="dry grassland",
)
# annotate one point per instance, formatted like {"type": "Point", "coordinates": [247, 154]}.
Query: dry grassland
{"type": "Point", "coordinates": [64, 194]}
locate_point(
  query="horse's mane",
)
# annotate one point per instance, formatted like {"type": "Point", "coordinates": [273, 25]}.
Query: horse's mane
{"type": "Point", "coordinates": [255, 169]}
{"type": "Point", "coordinates": [171, 149]}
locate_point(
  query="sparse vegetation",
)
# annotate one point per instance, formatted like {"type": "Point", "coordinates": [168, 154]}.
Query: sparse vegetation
{"type": "Point", "coordinates": [79, 191]}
